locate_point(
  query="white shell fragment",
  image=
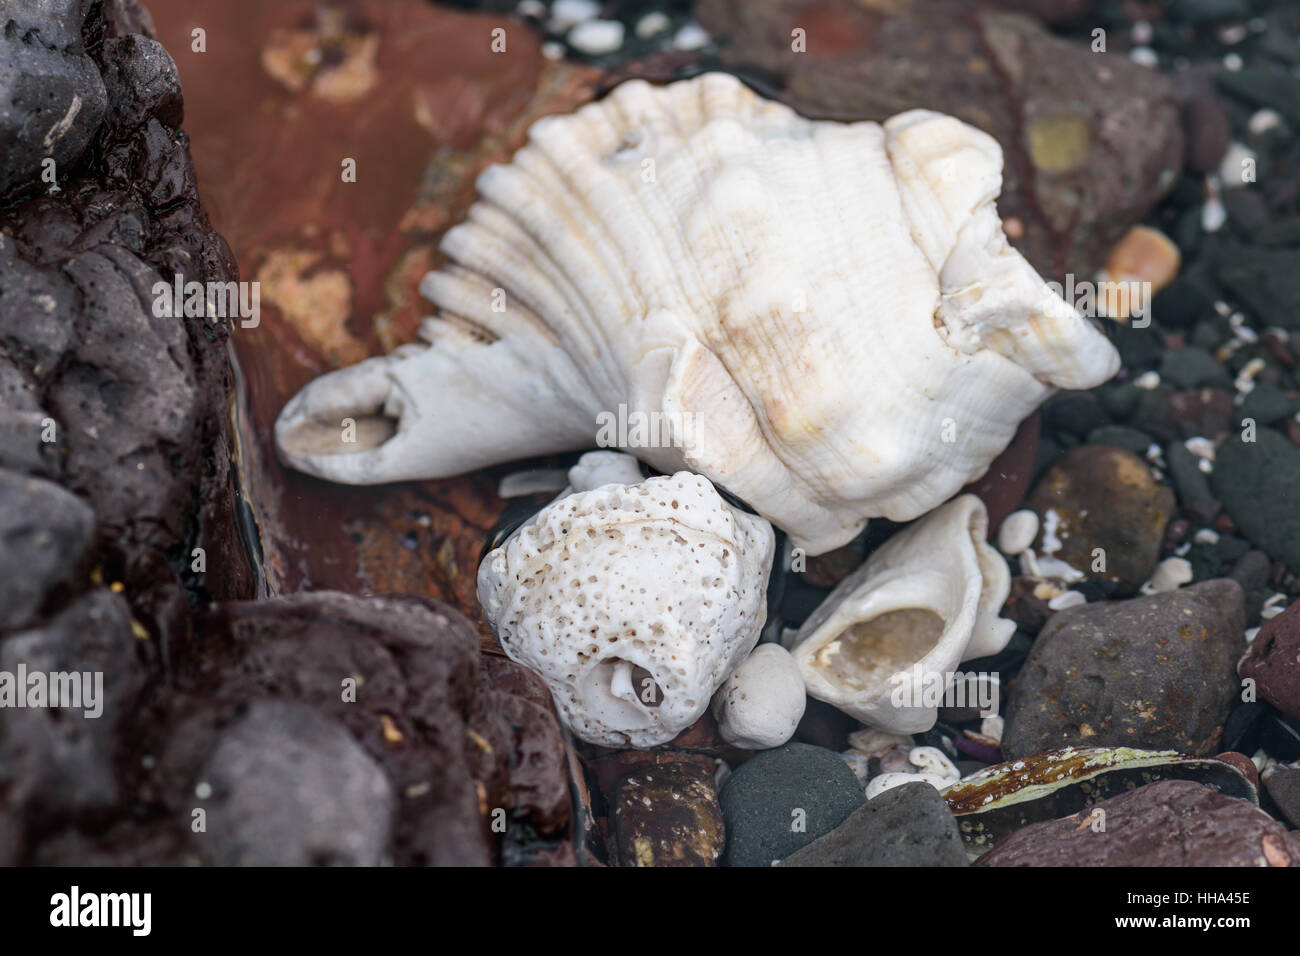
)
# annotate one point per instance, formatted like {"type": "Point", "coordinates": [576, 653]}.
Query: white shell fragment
{"type": "Point", "coordinates": [823, 318]}
{"type": "Point", "coordinates": [932, 767]}
{"type": "Point", "coordinates": [760, 704]}
{"type": "Point", "coordinates": [1017, 532]}
{"type": "Point", "coordinates": [633, 601]}
{"type": "Point", "coordinates": [925, 601]}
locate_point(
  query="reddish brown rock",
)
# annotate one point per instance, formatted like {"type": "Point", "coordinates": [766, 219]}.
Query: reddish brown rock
{"type": "Point", "coordinates": [1006, 482]}
{"type": "Point", "coordinates": [668, 815]}
{"type": "Point", "coordinates": [1108, 511]}
{"type": "Point", "coordinates": [1170, 823]}
{"type": "Point", "coordinates": [1273, 661]}
{"type": "Point", "coordinates": [1153, 673]}
{"type": "Point", "coordinates": [284, 93]}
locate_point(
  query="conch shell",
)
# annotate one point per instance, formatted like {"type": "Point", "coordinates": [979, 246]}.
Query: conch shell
{"type": "Point", "coordinates": [926, 600]}
{"type": "Point", "coordinates": [823, 318]}
{"type": "Point", "coordinates": [633, 601]}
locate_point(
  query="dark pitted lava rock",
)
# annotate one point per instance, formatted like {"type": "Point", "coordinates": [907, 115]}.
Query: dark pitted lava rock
{"type": "Point", "coordinates": [1283, 787]}
{"type": "Point", "coordinates": [44, 534]}
{"type": "Point", "coordinates": [52, 96]}
{"type": "Point", "coordinates": [127, 412]}
{"type": "Point", "coordinates": [1170, 823]}
{"type": "Point", "coordinates": [1097, 497]}
{"type": "Point", "coordinates": [455, 747]}
{"type": "Point", "coordinates": [57, 764]}
{"type": "Point", "coordinates": [124, 408]}
{"type": "Point", "coordinates": [1091, 141]}
{"type": "Point", "coordinates": [288, 786]}
{"type": "Point", "coordinates": [1273, 661]}
{"type": "Point", "coordinates": [783, 799]}
{"type": "Point", "coordinates": [668, 815]}
{"type": "Point", "coordinates": [1259, 484]}
{"type": "Point", "coordinates": [404, 680]}
{"type": "Point", "coordinates": [1155, 673]}
{"type": "Point", "coordinates": [904, 826]}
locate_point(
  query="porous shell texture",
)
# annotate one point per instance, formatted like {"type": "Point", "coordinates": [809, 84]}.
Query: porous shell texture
{"type": "Point", "coordinates": [632, 601]}
{"type": "Point", "coordinates": [824, 318]}
{"type": "Point", "coordinates": [923, 602]}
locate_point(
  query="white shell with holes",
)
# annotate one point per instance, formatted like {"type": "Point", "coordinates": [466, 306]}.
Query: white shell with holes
{"type": "Point", "coordinates": [633, 601]}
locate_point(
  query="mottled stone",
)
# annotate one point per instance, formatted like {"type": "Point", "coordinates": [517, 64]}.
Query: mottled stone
{"type": "Point", "coordinates": [904, 826]}
{"type": "Point", "coordinates": [1283, 786]}
{"type": "Point", "coordinates": [1273, 661]}
{"type": "Point", "coordinates": [1106, 498]}
{"type": "Point", "coordinates": [44, 534]}
{"type": "Point", "coordinates": [1259, 484]}
{"type": "Point", "coordinates": [783, 799]}
{"type": "Point", "coordinates": [51, 95]}
{"type": "Point", "coordinates": [287, 786]}
{"type": "Point", "coordinates": [1170, 823]}
{"type": "Point", "coordinates": [1155, 673]}
{"type": "Point", "coordinates": [668, 815]}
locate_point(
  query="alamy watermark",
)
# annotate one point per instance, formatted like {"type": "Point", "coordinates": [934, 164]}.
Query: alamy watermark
{"type": "Point", "coordinates": [211, 300]}
{"type": "Point", "coordinates": [75, 690]}
{"type": "Point", "coordinates": [637, 429]}
{"type": "Point", "coordinates": [922, 688]}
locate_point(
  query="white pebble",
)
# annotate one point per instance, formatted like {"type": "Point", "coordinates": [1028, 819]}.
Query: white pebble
{"type": "Point", "coordinates": [652, 24]}
{"type": "Point", "coordinates": [1068, 599]}
{"type": "Point", "coordinates": [1171, 574]}
{"type": "Point", "coordinates": [992, 727]}
{"type": "Point", "coordinates": [566, 13]}
{"type": "Point", "coordinates": [552, 50]}
{"type": "Point", "coordinates": [1050, 567]}
{"type": "Point", "coordinates": [1236, 160]}
{"type": "Point", "coordinates": [596, 37]}
{"type": "Point", "coordinates": [1017, 532]}
{"type": "Point", "coordinates": [692, 36]}
{"type": "Point", "coordinates": [1147, 380]}
{"type": "Point", "coordinates": [1142, 32]}
{"type": "Point", "coordinates": [531, 8]}
{"type": "Point", "coordinates": [1251, 634]}
{"type": "Point", "coordinates": [1206, 536]}
{"type": "Point", "coordinates": [1213, 214]}
{"type": "Point", "coordinates": [1144, 56]}
{"type": "Point", "coordinates": [1232, 62]}
{"type": "Point", "coordinates": [1261, 121]}
{"type": "Point", "coordinates": [759, 706]}
{"type": "Point", "coordinates": [1200, 447]}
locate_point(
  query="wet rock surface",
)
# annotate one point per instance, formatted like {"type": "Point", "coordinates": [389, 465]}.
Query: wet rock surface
{"type": "Point", "coordinates": [1273, 661]}
{"type": "Point", "coordinates": [114, 428]}
{"type": "Point", "coordinates": [1156, 673]}
{"type": "Point", "coordinates": [1170, 823]}
{"type": "Point", "coordinates": [782, 800]}
{"type": "Point", "coordinates": [904, 826]}
{"type": "Point", "coordinates": [1103, 512]}
{"type": "Point", "coordinates": [668, 815]}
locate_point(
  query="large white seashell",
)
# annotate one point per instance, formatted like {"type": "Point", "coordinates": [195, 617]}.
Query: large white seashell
{"type": "Point", "coordinates": [925, 601]}
{"type": "Point", "coordinates": [633, 601]}
{"type": "Point", "coordinates": [826, 317]}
